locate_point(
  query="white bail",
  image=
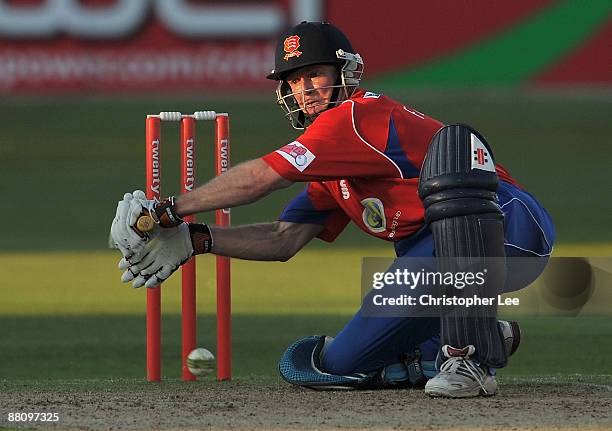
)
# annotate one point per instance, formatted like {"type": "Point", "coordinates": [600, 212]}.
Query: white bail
{"type": "Point", "coordinates": [481, 158]}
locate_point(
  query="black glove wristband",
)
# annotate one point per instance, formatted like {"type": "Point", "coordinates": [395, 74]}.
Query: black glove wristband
{"type": "Point", "coordinates": [165, 213]}
{"type": "Point", "coordinates": [201, 238]}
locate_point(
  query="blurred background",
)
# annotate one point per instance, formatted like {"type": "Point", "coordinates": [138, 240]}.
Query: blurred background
{"type": "Point", "coordinates": [78, 77]}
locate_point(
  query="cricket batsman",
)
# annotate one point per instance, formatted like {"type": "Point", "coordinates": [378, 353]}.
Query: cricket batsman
{"type": "Point", "coordinates": [427, 188]}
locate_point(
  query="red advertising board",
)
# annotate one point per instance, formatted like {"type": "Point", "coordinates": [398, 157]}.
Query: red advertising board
{"type": "Point", "coordinates": [112, 46]}
{"type": "Point", "coordinates": [139, 45]}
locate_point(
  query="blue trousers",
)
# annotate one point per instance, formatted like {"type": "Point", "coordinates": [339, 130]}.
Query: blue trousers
{"type": "Point", "coordinates": [371, 343]}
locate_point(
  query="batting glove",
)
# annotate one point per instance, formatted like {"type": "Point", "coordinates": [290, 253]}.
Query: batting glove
{"type": "Point", "coordinates": [123, 235]}
{"type": "Point", "coordinates": [163, 213]}
{"type": "Point", "coordinates": [163, 254]}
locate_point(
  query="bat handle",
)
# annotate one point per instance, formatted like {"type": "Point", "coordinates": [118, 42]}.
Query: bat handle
{"type": "Point", "coordinates": [144, 225]}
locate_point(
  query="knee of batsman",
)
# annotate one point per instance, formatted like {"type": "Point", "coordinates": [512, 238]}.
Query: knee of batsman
{"type": "Point", "coordinates": [334, 361]}
{"type": "Point", "coordinates": [458, 176]}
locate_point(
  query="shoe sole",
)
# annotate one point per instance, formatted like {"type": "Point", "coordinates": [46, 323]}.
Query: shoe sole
{"type": "Point", "coordinates": [443, 393]}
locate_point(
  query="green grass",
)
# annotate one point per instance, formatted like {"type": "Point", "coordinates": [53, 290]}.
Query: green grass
{"type": "Point", "coordinates": [88, 283]}
{"type": "Point", "coordinates": [66, 316]}
{"type": "Point", "coordinates": [101, 347]}
{"type": "Point", "coordinates": [45, 348]}
{"type": "Point", "coordinates": [65, 162]}
{"type": "Point", "coordinates": [316, 281]}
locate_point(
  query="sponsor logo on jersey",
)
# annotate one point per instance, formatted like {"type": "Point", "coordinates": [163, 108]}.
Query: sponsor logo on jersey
{"type": "Point", "coordinates": [344, 189]}
{"type": "Point", "coordinates": [297, 154]}
{"type": "Point", "coordinates": [374, 214]}
{"type": "Point", "coordinates": [481, 159]}
{"type": "Point", "coordinates": [370, 95]}
{"type": "Point", "coordinates": [291, 45]}
{"type": "Point", "coordinates": [395, 224]}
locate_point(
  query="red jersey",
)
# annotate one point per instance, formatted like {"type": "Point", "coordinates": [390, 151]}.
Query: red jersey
{"type": "Point", "coordinates": [362, 160]}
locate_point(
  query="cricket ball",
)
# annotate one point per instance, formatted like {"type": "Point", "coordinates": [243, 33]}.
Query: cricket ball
{"type": "Point", "coordinates": [200, 362]}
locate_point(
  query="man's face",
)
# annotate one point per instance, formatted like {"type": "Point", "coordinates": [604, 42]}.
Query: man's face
{"type": "Point", "coordinates": [311, 87]}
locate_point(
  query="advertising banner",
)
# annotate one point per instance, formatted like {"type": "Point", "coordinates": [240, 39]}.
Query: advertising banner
{"type": "Point", "coordinates": [141, 45]}
{"type": "Point", "coordinates": [114, 46]}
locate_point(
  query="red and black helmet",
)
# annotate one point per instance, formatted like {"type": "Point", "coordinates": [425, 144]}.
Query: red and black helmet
{"type": "Point", "coordinates": [310, 43]}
